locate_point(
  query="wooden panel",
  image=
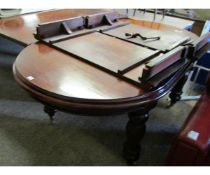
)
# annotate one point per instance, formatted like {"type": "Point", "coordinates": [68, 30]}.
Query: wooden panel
{"type": "Point", "coordinates": [160, 63]}
{"type": "Point", "coordinates": [62, 37]}
{"type": "Point", "coordinates": [162, 76]}
{"type": "Point", "coordinates": [46, 30]}
{"type": "Point", "coordinates": [155, 80]}
{"type": "Point", "coordinates": [105, 51]}
{"type": "Point", "coordinates": [57, 31]}
{"type": "Point", "coordinates": [67, 35]}
{"type": "Point", "coordinates": [155, 65]}
{"type": "Point", "coordinates": [102, 19]}
{"type": "Point", "coordinates": [75, 24]}
{"type": "Point", "coordinates": [168, 40]}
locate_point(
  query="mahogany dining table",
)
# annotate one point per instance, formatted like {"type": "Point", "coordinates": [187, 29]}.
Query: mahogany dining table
{"type": "Point", "coordinates": [62, 82]}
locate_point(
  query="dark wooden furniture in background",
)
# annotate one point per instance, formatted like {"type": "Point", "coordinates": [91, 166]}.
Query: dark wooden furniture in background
{"type": "Point", "coordinates": [67, 82]}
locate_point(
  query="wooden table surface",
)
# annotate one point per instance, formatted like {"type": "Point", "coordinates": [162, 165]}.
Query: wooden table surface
{"type": "Point", "coordinates": [61, 74]}
{"type": "Point", "coordinates": [21, 28]}
{"type": "Point", "coordinates": [57, 73]}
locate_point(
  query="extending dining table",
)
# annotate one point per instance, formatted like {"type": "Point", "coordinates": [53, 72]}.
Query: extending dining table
{"type": "Point", "coordinates": [99, 62]}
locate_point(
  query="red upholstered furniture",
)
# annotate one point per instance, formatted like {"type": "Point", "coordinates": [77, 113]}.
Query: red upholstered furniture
{"type": "Point", "coordinates": [192, 145]}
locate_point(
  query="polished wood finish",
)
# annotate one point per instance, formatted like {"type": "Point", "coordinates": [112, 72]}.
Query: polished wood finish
{"type": "Point", "coordinates": [21, 28]}
{"type": "Point", "coordinates": [145, 71]}
{"type": "Point", "coordinates": [96, 106]}
{"type": "Point", "coordinates": [93, 88]}
{"type": "Point", "coordinates": [73, 79]}
{"type": "Point", "coordinates": [63, 82]}
{"type": "Point", "coordinates": [136, 128]}
{"type": "Point", "coordinates": [176, 92]}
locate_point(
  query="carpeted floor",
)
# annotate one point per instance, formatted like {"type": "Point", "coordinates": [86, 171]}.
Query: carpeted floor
{"type": "Point", "coordinates": [28, 138]}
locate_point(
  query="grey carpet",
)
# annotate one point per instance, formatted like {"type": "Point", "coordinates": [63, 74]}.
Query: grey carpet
{"type": "Point", "coordinates": [27, 137]}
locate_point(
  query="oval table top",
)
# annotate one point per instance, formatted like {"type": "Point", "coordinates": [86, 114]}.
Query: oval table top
{"type": "Point", "coordinates": [49, 73]}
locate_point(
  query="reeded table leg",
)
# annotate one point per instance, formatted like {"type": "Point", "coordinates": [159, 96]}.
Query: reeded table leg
{"type": "Point", "coordinates": [176, 92]}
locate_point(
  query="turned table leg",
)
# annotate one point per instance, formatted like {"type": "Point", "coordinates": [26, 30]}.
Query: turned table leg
{"type": "Point", "coordinates": [176, 92]}
{"type": "Point", "coordinates": [135, 131]}
{"type": "Point", "coordinates": [50, 111]}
